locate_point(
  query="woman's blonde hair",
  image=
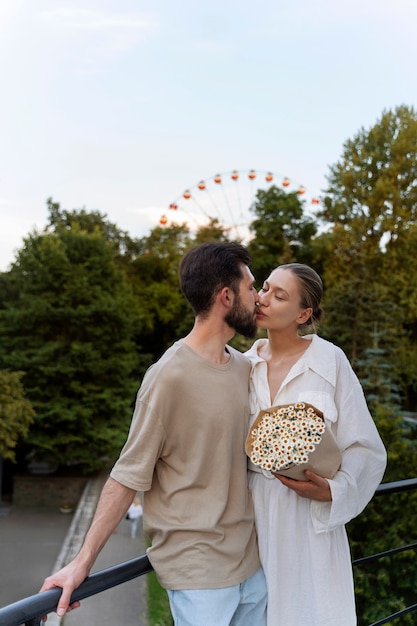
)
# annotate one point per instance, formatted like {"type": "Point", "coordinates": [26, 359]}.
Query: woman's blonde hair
{"type": "Point", "coordinates": [311, 288]}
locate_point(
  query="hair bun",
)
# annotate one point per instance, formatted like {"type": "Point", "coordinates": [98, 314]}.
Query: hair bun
{"type": "Point", "coordinates": [317, 314]}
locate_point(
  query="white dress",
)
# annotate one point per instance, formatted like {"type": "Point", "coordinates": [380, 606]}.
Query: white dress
{"type": "Point", "coordinates": [303, 543]}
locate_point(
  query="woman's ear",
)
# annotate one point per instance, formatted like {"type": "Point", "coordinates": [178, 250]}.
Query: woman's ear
{"type": "Point", "coordinates": [305, 315]}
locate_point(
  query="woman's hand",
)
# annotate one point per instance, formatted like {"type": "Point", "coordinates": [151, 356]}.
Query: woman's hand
{"type": "Point", "coordinates": [314, 487]}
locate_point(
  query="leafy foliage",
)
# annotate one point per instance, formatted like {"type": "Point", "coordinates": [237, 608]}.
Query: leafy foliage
{"type": "Point", "coordinates": [367, 252]}
{"type": "Point", "coordinates": [374, 187]}
{"type": "Point", "coordinates": [154, 274]}
{"type": "Point", "coordinates": [16, 413]}
{"type": "Point", "coordinates": [282, 233]}
{"type": "Point", "coordinates": [66, 320]}
{"type": "Point", "coordinates": [387, 585]}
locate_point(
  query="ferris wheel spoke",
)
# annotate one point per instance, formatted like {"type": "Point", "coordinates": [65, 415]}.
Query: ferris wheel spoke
{"type": "Point", "coordinates": [228, 198]}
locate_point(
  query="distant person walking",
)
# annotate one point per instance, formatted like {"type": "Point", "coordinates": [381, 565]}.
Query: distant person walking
{"type": "Point", "coordinates": [134, 514]}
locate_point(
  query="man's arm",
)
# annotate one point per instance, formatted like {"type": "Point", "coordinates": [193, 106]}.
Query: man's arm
{"type": "Point", "coordinates": [114, 501]}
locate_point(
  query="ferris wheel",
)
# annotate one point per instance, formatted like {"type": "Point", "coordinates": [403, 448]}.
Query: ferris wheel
{"type": "Point", "coordinates": [228, 198]}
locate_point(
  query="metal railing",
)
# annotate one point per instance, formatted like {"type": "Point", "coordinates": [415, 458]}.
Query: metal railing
{"type": "Point", "coordinates": [383, 490]}
{"type": "Point", "coordinates": [29, 611]}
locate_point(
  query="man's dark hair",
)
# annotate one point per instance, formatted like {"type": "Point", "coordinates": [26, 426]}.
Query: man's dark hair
{"type": "Point", "coordinates": [207, 268]}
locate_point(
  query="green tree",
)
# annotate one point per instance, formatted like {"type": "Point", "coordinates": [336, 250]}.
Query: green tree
{"type": "Point", "coordinates": [377, 377]}
{"type": "Point", "coordinates": [91, 222]}
{"type": "Point", "coordinates": [372, 188]}
{"type": "Point", "coordinates": [212, 231]}
{"type": "Point", "coordinates": [367, 252]}
{"type": "Point", "coordinates": [388, 585]}
{"type": "Point", "coordinates": [68, 319]}
{"type": "Point", "coordinates": [282, 233]}
{"type": "Point", "coordinates": [355, 304]}
{"type": "Point", "coordinates": [399, 272]}
{"type": "Point", "coordinates": [16, 413]}
{"type": "Point", "coordinates": [154, 275]}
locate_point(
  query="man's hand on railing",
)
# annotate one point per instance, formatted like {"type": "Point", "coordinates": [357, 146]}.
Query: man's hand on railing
{"type": "Point", "coordinates": [68, 578]}
{"type": "Point", "coordinates": [114, 501]}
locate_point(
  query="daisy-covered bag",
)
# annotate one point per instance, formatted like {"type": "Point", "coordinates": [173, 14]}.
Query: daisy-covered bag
{"type": "Point", "coordinates": [290, 438]}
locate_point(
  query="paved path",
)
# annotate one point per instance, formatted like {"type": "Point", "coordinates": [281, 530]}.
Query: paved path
{"type": "Point", "coordinates": [30, 541]}
{"type": "Point", "coordinates": [36, 542]}
{"type": "Point", "coordinates": [124, 605]}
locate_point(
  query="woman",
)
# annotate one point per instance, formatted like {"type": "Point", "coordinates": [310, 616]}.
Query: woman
{"type": "Point", "coordinates": [134, 514]}
{"type": "Point", "coordinates": [302, 539]}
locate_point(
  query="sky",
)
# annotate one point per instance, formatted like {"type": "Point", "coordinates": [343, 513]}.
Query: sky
{"type": "Point", "coordinates": [121, 105]}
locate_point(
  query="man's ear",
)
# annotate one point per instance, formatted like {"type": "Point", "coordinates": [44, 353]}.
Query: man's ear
{"type": "Point", "coordinates": [226, 297]}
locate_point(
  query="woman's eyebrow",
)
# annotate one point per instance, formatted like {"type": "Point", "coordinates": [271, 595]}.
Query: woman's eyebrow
{"type": "Point", "coordinates": [277, 288]}
{"type": "Point", "coordinates": [283, 290]}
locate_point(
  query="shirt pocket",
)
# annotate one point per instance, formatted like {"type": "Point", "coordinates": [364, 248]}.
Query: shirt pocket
{"type": "Point", "coordinates": [322, 400]}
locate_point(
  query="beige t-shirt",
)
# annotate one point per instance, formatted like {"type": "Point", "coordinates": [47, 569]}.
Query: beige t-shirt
{"type": "Point", "coordinates": [186, 451]}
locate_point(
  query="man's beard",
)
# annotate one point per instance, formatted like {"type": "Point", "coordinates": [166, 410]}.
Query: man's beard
{"type": "Point", "coordinates": [241, 320]}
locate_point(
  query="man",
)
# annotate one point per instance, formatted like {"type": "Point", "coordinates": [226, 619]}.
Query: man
{"type": "Point", "coordinates": [185, 451]}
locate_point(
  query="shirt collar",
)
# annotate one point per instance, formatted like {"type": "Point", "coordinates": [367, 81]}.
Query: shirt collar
{"type": "Point", "coordinates": [318, 358]}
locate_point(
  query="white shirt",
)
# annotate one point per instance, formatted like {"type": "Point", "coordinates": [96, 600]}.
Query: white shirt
{"type": "Point", "coordinates": [135, 511]}
{"type": "Point", "coordinates": [302, 543]}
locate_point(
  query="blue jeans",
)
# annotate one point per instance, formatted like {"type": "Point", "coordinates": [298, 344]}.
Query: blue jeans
{"type": "Point", "coordinates": [240, 605]}
{"type": "Point", "coordinates": [133, 526]}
